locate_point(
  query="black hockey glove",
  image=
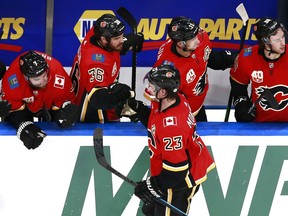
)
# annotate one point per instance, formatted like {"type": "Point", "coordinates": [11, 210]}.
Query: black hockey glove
{"type": "Point", "coordinates": [132, 109]}
{"type": "Point", "coordinates": [230, 57]}
{"type": "Point", "coordinates": [44, 115]}
{"type": "Point", "coordinates": [67, 115]}
{"type": "Point", "coordinates": [30, 134]}
{"type": "Point", "coordinates": [120, 92]}
{"type": "Point", "coordinates": [243, 111]}
{"type": "Point", "coordinates": [222, 59]}
{"type": "Point", "coordinates": [131, 40]}
{"type": "Point", "coordinates": [148, 190]}
{"type": "Point", "coordinates": [5, 108]}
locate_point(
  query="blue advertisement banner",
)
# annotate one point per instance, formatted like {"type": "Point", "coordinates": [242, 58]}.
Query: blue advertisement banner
{"type": "Point", "coordinates": [218, 18]}
{"type": "Point", "coordinates": [24, 26]}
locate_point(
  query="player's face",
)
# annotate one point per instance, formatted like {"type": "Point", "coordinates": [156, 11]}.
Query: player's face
{"type": "Point", "coordinates": [192, 44]}
{"type": "Point", "coordinates": [116, 43]}
{"type": "Point", "coordinates": [39, 82]}
{"type": "Point", "coordinates": [150, 91]}
{"type": "Point", "coordinates": [277, 42]}
{"type": "Point", "coordinates": [195, 42]}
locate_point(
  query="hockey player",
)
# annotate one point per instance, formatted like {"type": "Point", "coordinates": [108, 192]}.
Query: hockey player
{"type": "Point", "coordinates": [264, 67]}
{"type": "Point", "coordinates": [189, 49]}
{"type": "Point", "coordinates": [179, 160]}
{"type": "Point", "coordinates": [36, 85]}
{"type": "Point", "coordinates": [96, 66]}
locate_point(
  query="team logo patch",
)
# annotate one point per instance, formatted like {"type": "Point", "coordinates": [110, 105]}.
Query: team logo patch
{"type": "Point", "coordinates": [190, 76]}
{"type": "Point", "coordinates": [59, 81]}
{"type": "Point", "coordinates": [29, 100]}
{"type": "Point", "coordinates": [166, 62]}
{"type": "Point", "coordinates": [13, 81]}
{"type": "Point", "coordinates": [169, 121]}
{"type": "Point", "coordinates": [207, 52]}
{"type": "Point", "coordinates": [174, 28]}
{"type": "Point", "coordinates": [247, 51]}
{"type": "Point", "coordinates": [114, 70]}
{"type": "Point", "coordinates": [169, 74]}
{"type": "Point", "coordinates": [257, 76]}
{"type": "Point", "coordinates": [98, 57]}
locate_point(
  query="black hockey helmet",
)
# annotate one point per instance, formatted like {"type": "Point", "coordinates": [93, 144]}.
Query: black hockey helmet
{"type": "Point", "coordinates": [108, 26]}
{"type": "Point", "coordinates": [32, 64]}
{"type": "Point", "coordinates": [164, 77]}
{"type": "Point", "coordinates": [266, 27]}
{"type": "Point", "coordinates": [182, 29]}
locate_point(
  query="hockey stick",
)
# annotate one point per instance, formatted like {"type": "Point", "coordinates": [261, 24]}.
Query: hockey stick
{"type": "Point", "coordinates": [130, 20]}
{"type": "Point", "coordinates": [240, 9]}
{"type": "Point", "coordinates": [98, 148]}
{"type": "Point", "coordinates": [269, 98]}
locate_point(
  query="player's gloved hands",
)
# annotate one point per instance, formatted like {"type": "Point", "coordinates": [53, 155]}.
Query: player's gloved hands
{"type": "Point", "coordinates": [30, 134]}
{"type": "Point", "coordinates": [5, 108]}
{"type": "Point", "coordinates": [120, 92]}
{"type": "Point", "coordinates": [131, 40]}
{"type": "Point", "coordinates": [132, 109]}
{"type": "Point", "coordinates": [148, 190]}
{"type": "Point", "coordinates": [44, 115]}
{"type": "Point", "coordinates": [67, 115]}
{"type": "Point", "coordinates": [243, 111]}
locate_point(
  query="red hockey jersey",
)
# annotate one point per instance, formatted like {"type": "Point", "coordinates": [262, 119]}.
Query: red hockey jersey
{"type": "Point", "coordinates": [252, 68]}
{"type": "Point", "coordinates": [173, 140]}
{"type": "Point", "coordinates": [93, 67]}
{"type": "Point", "coordinates": [193, 69]}
{"type": "Point", "coordinates": [18, 92]}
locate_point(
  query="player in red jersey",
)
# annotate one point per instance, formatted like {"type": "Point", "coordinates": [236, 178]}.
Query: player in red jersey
{"type": "Point", "coordinates": [189, 49]}
{"type": "Point", "coordinates": [179, 159]}
{"type": "Point", "coordinates": [264, 67]}
{"type": "Point", "coordinates": [36, 85]}
{"type": "Point", "coordinates": [96, 66]}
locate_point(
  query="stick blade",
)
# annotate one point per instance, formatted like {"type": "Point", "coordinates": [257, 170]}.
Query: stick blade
{"type": "Point", "coordinates": [98, 143]}
{"type": "Point", "coordinates": [242, 13]}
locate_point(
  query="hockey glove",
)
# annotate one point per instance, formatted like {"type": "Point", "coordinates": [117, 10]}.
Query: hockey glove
{"type": "Point", "coordinates": [230, 57]}
{"type": "Point", "coordinates": [67, 115]}
{"type": "Point", "coordinates": [44, 115]}
{"type": "Point", "coordinates": [243, 111]}
{"type": "Point", "coordinates": [148, 190]}
{"type": "Point", "coordinates": [132, 109]}
{"type": "Point", "coordinates": [222, 59]}
{"type": "Point", "coordinates": [5, 108]}
{"type": "Point", "coordinates": [120, 92]}
{"type": "Point", "coordinates": [131, 40]}
{"type": "Point", "coordinates": [30, 134]}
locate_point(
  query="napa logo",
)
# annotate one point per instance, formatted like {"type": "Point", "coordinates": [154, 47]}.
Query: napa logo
{"type": "Point", "coordinates": [87, 20]}
{"type": "Point", "coordinates": [222, 32]}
